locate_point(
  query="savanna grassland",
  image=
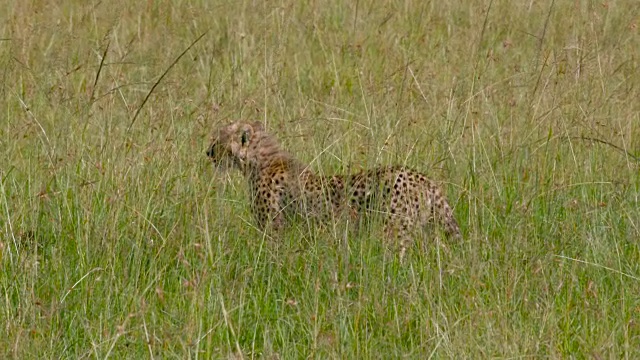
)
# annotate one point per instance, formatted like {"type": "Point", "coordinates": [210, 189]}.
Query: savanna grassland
{"type": "Point", "coordinates": [118, 239]}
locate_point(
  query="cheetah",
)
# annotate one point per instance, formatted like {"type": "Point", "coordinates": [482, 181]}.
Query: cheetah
{"type": "Point", "coordinates": [282, 186]}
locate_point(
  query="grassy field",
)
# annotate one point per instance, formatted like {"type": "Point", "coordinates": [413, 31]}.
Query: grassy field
{"type": "Point", "coordinates": [119, 240]}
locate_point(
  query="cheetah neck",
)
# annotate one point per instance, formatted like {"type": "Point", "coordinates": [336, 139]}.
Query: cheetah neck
{"type": "Point", "coordinates": [265, 152]}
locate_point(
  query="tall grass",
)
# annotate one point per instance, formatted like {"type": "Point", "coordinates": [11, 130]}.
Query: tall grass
{"type": "Point", "coordinates": [117, 238]}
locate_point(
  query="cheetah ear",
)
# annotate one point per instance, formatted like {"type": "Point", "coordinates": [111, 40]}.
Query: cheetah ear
{"type": "Point", "coordinates": [248, 131]}
{"type": "Point", "coordinates": [257, 126]}
{"type": "Point", "coordinates": [246, 136]}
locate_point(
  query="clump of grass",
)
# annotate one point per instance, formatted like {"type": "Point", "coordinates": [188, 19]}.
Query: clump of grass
{"type": "Point", "coordinates": [118, 240]}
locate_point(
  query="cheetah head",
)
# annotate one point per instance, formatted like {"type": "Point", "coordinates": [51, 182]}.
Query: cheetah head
{"type": "Point", "coordinates": [230, 144]}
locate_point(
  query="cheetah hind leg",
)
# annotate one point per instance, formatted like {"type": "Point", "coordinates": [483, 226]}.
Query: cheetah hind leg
{"type": "Point", "coordinates": [397, 231]}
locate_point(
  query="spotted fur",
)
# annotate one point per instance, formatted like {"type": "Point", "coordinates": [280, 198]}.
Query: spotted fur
{"type": "Point", "coordinates": [282, 186]}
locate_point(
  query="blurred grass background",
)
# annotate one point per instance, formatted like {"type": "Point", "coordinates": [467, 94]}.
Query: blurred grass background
{"type": "Point", "coordinates": [117, 239]}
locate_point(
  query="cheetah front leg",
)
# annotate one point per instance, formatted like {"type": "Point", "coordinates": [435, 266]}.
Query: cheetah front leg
{"type": "Point", "coordinates": [269, 216]}
{"type": "Point", "coordinates": [268, 207]}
